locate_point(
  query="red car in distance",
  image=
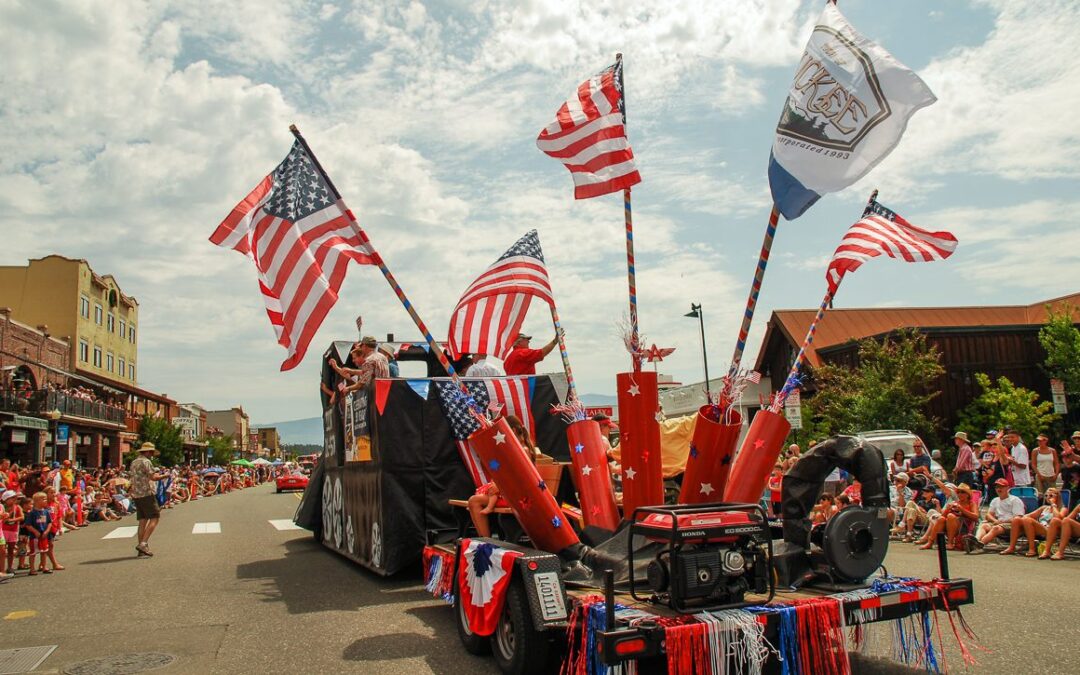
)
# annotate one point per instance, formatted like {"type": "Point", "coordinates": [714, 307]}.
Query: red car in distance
{"type": "Point", "coordinates": [294, 480]}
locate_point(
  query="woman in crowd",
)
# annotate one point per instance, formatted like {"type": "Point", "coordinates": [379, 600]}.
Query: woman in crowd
{"type": "Point", "coordinates": [898, 464]}
{"type": "Point", "coordinates": [1061, 530]}
{"type": "Point", "coordinates": [823, 510]}
{"type": "Point", "coordinates": [958, 519]}
{"type": "Point", "coordinates": [1035, 524]}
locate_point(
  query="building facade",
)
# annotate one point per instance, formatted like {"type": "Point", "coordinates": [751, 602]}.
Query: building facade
{"type": "Point", "coordinates": [234, 424]}
{"type": "Point", "coordinates": [191, 420]}
{"type": "Point", "coordinates": [270, 441]}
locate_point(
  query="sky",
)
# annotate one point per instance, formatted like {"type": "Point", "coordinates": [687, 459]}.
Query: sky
{"type": "Point", "coordinates": [129, 130]}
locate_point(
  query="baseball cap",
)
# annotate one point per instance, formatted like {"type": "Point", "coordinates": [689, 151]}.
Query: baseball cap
{"type": "Point", "coordinates": [369, 341]}
{"type": "Point", "coordinates": [56, 465]}
{"type": "Point", "coordinates": [522, 336]}
{"type": "Point", "coordinates": [1001, 482]}
{"type": "Point", "coordinates": [8, 494]}
{"type": "Point", "coordinates": [991, 433]}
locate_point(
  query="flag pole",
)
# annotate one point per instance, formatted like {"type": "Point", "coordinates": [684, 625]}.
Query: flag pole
{"type": "Point", "coordinates": [631, 274]}
{"type": "Point", "coordinates": [435, 348]}
{"type": "Point", "coordinates": [572, 397]}
{"type": "Point", "coordinates": [792, 379]}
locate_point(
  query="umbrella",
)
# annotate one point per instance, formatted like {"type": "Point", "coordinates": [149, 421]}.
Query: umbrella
{"type": "Point", "coordinates": [242, 462]}
{"type": "Point", "coordinates": [277, 462]}
{"type": "Point", "coordinates": [262, 462]}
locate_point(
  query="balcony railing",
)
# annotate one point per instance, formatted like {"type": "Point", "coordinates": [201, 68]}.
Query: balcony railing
{"type": "Point", "coordinates": [43, 401]}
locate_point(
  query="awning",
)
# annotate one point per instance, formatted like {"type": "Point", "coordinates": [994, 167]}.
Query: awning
{"type": "Point", "coordinates": [25, 422]}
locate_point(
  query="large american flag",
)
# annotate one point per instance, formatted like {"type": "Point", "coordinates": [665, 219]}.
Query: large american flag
{"type": "Point", "coordinates": [512, 393]}
{"type": "Point", "coordinates": [301, 237]}
{"type": "Point", "coordinates": [491, 310]}
{"type": "Point", "coordinates": [589, 137]}
{"type": "Point", "coordinates": [882, 230]}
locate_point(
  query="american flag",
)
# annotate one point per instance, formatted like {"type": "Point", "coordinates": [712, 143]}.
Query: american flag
{"type": "Point", "coordinates": [589, 137]}
{"type": "Point", "coordinates": [511, 392]}
{"type": "Point", "coordinates": [882, 230]}
{"type": "Point", "coordinates": [492, 309]}
{"type": "Point", "coordinates": [301, 237]}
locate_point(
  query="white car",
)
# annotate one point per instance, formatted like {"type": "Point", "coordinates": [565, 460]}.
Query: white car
{"type": "Point", "coordinates": [891, 440]}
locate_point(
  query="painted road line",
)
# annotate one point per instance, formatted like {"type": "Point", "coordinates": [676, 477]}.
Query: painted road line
{"type": "Point", "coordinates": [123, 533]}
{"type": "Point", "coordinates": [285, 525]}
{"type": "Point", "coordinates": [206, 528]}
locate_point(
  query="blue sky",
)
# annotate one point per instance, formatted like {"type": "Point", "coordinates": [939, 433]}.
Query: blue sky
{"type": "Point", "coordinates": [129, 129]}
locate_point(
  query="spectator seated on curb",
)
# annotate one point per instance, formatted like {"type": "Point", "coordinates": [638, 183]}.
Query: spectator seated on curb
{"type": "Point", "coordinates": [1062, 531]}
{"type": "Point", "coordinates": [1005, 510]}
{"type": "Point", "coordinates": [958, 520]}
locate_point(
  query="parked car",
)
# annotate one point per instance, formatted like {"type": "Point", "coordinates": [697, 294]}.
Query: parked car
{"type": "Point", "coordinates": [294, 480]}
{"type": "Point", "coordinates": [890, 440]}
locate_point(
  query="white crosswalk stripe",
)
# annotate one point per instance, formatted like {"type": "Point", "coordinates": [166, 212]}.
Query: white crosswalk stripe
{"type": "Point", "coordinates": [285, 525]}
{"type": "Point", "coordinates": [123, 533]}
{"type": "Point", "coordinates": [206, 528]}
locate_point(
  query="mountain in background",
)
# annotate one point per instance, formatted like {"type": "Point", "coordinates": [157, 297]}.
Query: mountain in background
{"type": "Point", "coordinates": [310, 431]}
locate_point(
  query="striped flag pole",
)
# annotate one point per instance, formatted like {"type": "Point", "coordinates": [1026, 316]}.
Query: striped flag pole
{"type": "Point", "coordinates": [631, 273]}
{"type": "Point", "coordinates": [751, 302]}
{"type": "Point", "coordinates": [435, 348]}
{"type": "Point", "coordinates": [572, 396]}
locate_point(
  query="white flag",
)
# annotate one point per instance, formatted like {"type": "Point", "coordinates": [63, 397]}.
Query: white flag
{"type": "Point", "coordinates": [847, 108]}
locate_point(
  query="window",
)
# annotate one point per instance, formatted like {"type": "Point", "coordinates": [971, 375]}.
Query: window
{"type": "Point", "coordinates": [84, 351]}
{"type": "Point", "coordinates": [97, 313]}
{"type": "Point", "coordinates": [97, 357]}
{"type": "Point", "coordinates": [131, 333]}
{"type": "Point", "coordinates": [122, 369]}
{"type": "Point", "coordinates": [112, 323]}
{"type": "Point", "coordinates": [84, 307]}
{"type": "Point", "coordinates": [131, 372]}
{"type": "Point", "coordinates": [123, 329]}
{"type": "Point", "coordinates": [109, 362]}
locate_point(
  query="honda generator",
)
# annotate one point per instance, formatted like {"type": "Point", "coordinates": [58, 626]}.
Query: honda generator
{"type": "Point", "coordinates": [711, 556]}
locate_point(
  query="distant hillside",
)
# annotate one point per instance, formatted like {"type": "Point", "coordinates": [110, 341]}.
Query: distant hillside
{"type": "Point", "coordinates": [310, 430]}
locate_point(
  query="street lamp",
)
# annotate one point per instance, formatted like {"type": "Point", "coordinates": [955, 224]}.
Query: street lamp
{"type": "Point", "coordinates": [697, 313]}
{"type": "Point", "coordinates": [55, 415]}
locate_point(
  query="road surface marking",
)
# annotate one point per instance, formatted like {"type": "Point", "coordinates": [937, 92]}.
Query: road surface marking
{"type": "Point", "coordinates": [285, 525]}
{"type": "Point", "coordinates": [123, 533]}
{"type": "Point", "coordinates": [298, 495]}
{"type": "Point", "coordinates": [20, 614]}
{"type": "Point", "coordinates": [206, 528]}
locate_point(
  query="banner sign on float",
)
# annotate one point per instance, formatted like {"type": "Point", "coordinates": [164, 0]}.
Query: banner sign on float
{"type": "Point", "coordinates": [793, 409]}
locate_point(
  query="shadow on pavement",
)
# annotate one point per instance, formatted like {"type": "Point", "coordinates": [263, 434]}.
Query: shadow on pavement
{"type": "Point", "coordinates": [310, 578]}
{"type": "Point", "coordinates": [105, 561]}
{"type": "Point", "coordinates": [380, 648]}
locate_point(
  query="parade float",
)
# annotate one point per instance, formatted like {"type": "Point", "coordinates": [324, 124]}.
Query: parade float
{"type": "Point", "coordinates": [583, 577]}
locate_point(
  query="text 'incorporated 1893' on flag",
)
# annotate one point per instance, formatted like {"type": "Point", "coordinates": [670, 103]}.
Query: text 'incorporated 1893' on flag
{"type": "Point", "coordinates": [300, 236]}
{"type": "Point", "coordinates": [847, 108]}
{"type": "Point", "coordinates": [491, 310]}
{"type": "Point", "coordinates": [882, 231]}
{"type": "Point", "coordinates": [589, 137]}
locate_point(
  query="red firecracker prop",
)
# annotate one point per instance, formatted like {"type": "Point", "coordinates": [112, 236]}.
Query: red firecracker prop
{"type": "Point", "coordinates": [711, 452]}
{"type": "Point", "coordinates": [521, 486]}
{"type": "Point", "coordinates": [588, 453]}
{"type": "Point", "coordinates": [642, 465]}
{"type": "Point", "coordinates": [757, 457]}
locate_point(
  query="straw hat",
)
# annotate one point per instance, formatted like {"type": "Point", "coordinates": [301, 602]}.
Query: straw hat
{"type": "Point", "coordinates": [148, 447]}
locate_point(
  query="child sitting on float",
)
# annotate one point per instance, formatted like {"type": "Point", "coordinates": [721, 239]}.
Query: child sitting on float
{"type": "Point", "coordinates": [487, 499]}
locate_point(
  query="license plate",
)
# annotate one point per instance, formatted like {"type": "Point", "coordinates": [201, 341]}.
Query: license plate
{"type": "Point", "coordinates": [552, 606]}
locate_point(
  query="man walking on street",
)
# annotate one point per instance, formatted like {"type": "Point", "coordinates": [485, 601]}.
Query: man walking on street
{"type": "Point", "coordinates": [142, 493]}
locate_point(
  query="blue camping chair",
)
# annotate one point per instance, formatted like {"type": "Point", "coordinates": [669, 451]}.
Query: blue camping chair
{"type": "Point", "coordinates": [1028, 495]}
{"type": "Point", "coordinates": [1066, 497]}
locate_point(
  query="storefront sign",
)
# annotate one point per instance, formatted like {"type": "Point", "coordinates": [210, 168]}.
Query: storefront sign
{"type": "Point", "coordinates": [793, 409]}
{"type": "Point", "coordinates": [63, 432]}
{"type": "Point", "coordinates": [1057, 391]}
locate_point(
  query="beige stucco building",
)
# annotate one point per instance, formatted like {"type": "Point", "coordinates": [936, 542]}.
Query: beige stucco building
{"type": "Point", "coordinates": [90, 311]}
{"type": "Point", "coordinates": [233, 423]}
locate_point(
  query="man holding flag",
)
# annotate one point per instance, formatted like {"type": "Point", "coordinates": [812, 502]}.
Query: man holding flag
{"type": "Point", "coordinates": [522, 360]}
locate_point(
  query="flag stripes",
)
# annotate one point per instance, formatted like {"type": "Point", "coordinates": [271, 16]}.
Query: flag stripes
{"type": "Point", "coordinates": [881, 231]}
{"type": "Point", "coordinates": [301, 238]}
{"type": "Point", "coordinates": [588, 135]}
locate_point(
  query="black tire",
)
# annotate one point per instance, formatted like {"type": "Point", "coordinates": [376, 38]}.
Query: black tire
{"type": "Point", "coordinates": [478, 645]}
{"type": "Point", "coordinates": [279, 490]}
{"type": "Point", "coordinates": [518, 647]}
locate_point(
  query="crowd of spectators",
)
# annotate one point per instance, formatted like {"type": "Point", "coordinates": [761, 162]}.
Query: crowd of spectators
{"type": "Point", "coordinates": [41, 502]}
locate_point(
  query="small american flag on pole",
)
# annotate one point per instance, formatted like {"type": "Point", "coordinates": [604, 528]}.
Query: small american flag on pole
{"type": "Point", "coordinates": [301, 237]}
{"type": "Point", "coordinates": [588, 136]}
{"type": "Point", "coordinates": [491, 310]}
{"type": "Point", "coordinates": [512, 394]}
{"type": "Point", "coordinates": [883, 231]}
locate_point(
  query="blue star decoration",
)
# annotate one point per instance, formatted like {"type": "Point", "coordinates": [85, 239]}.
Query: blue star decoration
{"type": "Point", "coordinates": [578, 448]}
{"type": "Point", "coordinates": [542, 485]}
{"type": "Point", "coordinates": [494, 464]}
{"type": "Point", "coordinates": [556, 522]}
{"type": "Point", "coordinates": [693, 451]}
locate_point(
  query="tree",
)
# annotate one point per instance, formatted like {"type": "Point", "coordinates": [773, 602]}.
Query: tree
{"type": "Point", "coordinates": [167, 438]}
{"type": "Point", "coordinates": [890, 388]}
{"type": "Point", "coordinates": [1061, 340]}
{"type": "Point", "coordinates": [220, 449]}
{"type": "Point", "coordinates": [1004, 405]}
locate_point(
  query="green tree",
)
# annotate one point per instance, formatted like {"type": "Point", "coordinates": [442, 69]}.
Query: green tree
{"type": "Point", "coordinates": [1004, 405]}
{"type": "Point", "coordinates": [1061, 341]}
{"type": "Point", "coordinates": [890, 389]}
{"type": "Point", "coordinates": [220, 449]}
{"type": "Point", "coordinates": [167, 438]}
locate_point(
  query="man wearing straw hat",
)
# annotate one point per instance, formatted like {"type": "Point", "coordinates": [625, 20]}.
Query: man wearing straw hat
{"type": "Point", "coordinates": [964, 472]}
{"type": "Point", "coordinates": [143, 495]}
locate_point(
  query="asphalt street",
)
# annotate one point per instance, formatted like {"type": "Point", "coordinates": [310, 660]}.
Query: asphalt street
{"type": "Point", "coordinates": [253, 598]}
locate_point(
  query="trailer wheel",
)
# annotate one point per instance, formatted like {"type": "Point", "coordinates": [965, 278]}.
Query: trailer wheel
{"type": "Point", "coordinates": [519, 648]}
{"type": "Point", "coordinates": [474, 644]}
